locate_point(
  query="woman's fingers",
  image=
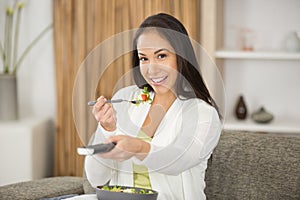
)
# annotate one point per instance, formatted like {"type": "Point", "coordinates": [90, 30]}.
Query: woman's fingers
{"type": "Point", "coordinates": [118, 152]}
{"type": "Point", "coordinates": [104, 113]}
{"type": "Point", "coordinates": [104, 110]}
{"type": "Point", "coordinates": [100, 108]}
{"type": "Point", "coordinates": [99, 104]}
{"type": "Point", "coordinates": [126, 147]}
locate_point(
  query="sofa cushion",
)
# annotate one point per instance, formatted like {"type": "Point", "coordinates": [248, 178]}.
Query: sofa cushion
{"type": "Point", "coordinates": [44, 188]}
{"type": "Point", "coordinates": [248, 165]}
{"type": "Point", "coordinates": [87, 187]}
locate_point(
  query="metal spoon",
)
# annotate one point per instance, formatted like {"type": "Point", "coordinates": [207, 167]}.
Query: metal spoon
{"type": "Point", "coordinates": [92, 103]}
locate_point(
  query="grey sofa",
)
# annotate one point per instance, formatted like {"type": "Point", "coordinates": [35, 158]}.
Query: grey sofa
{"type": "Point", "coordinates": [255, 166]}
{"type": "Point", "coordinates": [244, 166]}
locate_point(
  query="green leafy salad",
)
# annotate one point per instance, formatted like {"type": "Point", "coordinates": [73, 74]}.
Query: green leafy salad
{"type": "Point", "coordinates": [126, 190]}
{"type": "Point", "coordinates": [144, 97]}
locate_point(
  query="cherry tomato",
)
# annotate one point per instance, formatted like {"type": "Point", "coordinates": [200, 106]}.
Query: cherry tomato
{"type": "Point", "coordinates": [144, 97]}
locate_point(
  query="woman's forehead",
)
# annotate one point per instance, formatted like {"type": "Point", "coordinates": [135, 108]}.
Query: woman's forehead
{"type": "Point", "coordinates": [152, 40]}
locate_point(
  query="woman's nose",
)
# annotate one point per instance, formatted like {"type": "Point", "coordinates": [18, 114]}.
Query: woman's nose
{"type": "Point", "coordinates": [153, 68]}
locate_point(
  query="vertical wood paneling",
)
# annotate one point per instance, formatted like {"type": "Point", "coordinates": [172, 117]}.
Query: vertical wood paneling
{"type": "Point", "coordinates": [136, 12]}
{"type": "Point", "coordinates": [67, 79]}
{"type": "Point", "coordinates": [93, 28]}
{"type": "Point", "coordinates": [79, 26]}
{"type": "Point", "coordinates": [177, 12]}
{"type": "Point", "coordinates": [208, 23]}
{"type": "Point", "coordinates": [66, 45]}
{"type": "Point", "coordinates": [79, 53]}
{"type": "Point", "coordinates": [57, 29]}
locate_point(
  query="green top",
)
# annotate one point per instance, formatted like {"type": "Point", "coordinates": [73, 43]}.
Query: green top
{"type": "Point", "coordinates": [140, 172]}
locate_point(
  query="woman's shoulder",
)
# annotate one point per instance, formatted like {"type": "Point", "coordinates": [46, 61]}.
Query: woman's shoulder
{"type": "Point", "coordinates": [198, 105]}
{"type": "Point", "coordinates": [195, 102]}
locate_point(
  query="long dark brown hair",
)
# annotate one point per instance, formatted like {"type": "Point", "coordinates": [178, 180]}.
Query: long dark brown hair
{"type": "Point", "coordinates": [190, 83]}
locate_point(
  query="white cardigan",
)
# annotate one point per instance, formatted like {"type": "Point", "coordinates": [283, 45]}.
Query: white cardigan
{"type": "Point", "coordinates": [180, 148]}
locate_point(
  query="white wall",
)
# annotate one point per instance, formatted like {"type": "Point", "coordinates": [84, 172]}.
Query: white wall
{"type": "Point", "coordinates": [36, 80]}
{"type": "Point", "coordinates": [270, 21]}
{"type": "Point", "coordinates": [270, 83]}
{"type": "Point", "coordinates": [36, 87]}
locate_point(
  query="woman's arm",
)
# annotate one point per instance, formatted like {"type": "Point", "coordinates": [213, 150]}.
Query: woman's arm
{"type": "Point", "coordinates": [199, 134]}
{"type": "Point", "coordinates": [127, 147]}
{"type": "Point", "coordinates": [98, 171]}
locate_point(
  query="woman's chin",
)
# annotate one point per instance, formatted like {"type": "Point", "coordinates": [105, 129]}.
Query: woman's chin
{"type": "Point", "coordinates": [161, 89]}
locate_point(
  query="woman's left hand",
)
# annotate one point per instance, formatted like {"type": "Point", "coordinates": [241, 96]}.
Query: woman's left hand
{"type": "Point", "coordinates": [127, 147]}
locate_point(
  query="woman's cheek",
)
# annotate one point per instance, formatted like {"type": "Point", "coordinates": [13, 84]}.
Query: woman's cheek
{"type": "Point", "coordinates": [143, 69]}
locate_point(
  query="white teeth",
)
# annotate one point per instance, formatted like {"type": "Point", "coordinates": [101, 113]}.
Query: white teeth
{"type": "Point", "coordinates": [157, 80]}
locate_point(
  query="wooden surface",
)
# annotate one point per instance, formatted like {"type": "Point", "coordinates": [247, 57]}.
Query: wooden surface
{"type": "Point", "coordinates": [79, 26]}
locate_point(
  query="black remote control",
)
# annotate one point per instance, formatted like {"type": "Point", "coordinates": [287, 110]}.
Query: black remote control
{"type": "Point", "coordinates": [94, 149]}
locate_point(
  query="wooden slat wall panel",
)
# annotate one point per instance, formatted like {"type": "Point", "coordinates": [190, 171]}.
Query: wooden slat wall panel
{"type": "Point", "coordinates": [79, 26]}
{"type": "Point", "coordinates": [79, 53]}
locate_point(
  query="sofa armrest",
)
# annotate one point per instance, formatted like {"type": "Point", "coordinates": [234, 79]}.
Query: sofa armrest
{"type": "Point", "coordinates": [43, 188]}
{"type": "Point", "coordinates": [247, 165]}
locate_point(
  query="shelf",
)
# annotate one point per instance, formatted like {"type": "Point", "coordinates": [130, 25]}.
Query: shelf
{"type": "Point", "coordinates": [271, 55]}
{"type": "Point", "coordinates": [244, 72]}
{"type": "Point", "coordinates": [276, 126]}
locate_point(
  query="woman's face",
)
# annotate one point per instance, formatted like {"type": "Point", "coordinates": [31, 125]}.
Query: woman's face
{"type": "Point", "coordinates": [158, 63]}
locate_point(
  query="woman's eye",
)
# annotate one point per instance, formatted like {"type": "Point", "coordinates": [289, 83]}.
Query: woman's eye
{"type": "Point", "coordinates": [143, 59]}
{"type": "Point", "coordinates": [161, 56]}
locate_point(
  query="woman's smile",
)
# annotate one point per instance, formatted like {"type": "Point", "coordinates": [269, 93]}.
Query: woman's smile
{"type": "Point", "coordinates": [158, 62]}
{"type": "Point", "coordinates": [159, 80]}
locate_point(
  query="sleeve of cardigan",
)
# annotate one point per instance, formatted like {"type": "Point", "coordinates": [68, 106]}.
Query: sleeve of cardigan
{"type": "Point", "coordinates": [198, 136]}
{"type": "Point", "coordinates": [101, 135]}
{"type": "Point", "coordinates": [98, 170]}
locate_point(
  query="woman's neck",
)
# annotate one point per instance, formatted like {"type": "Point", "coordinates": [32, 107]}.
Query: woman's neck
{"type": "Point", "coordinates": [159, 107]}
{"type": "Point", "coordinates": [165, 99]}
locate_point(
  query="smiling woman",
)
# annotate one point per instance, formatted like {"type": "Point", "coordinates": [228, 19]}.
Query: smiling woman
{"type": "Point", "coordinates": [158, 64]}
{"type": "Point", "coordinates": [164, 145]}
{"type": "Point", "coordinates": [79, 27]}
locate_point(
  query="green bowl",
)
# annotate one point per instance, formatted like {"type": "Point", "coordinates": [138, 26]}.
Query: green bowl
{"type": "Point", "coordinates": [106, 193]}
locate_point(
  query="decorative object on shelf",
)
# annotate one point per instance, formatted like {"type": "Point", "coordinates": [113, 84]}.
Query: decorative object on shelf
{"type": "Point", "coordinates": [8, 97]}
{"type": "Point", "coordinates": [247, 39]}
{"type": "Point", "coordinates": [292, 42]}
{"type": "Point", "coordinates": [262, 116]}
{"type": "Point", "coordinates": [241, 109]}
{"type": "Point", "coordinates": [11, 61]}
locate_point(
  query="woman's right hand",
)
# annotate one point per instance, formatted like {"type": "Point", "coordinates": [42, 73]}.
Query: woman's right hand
{"type": "Point", "coordinates": [105, 114]}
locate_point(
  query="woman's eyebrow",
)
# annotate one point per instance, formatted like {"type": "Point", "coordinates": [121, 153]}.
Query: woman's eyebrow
{"type": "Point", "coordinates": [159, 50]}
{"type": "Point", "coordinates": [156, 52]}
{"type": "Point", "coordinates": [142, 54]}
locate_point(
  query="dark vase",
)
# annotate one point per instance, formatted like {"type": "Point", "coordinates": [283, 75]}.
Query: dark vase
{"type": "Point", "coordinates": [241, 108]}
{"type": "Point", "coordinates": [8, 98]}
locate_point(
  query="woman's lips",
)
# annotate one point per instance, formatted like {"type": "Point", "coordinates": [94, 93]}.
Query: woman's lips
{"type": "Point", "coordinates": [158, 81]}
